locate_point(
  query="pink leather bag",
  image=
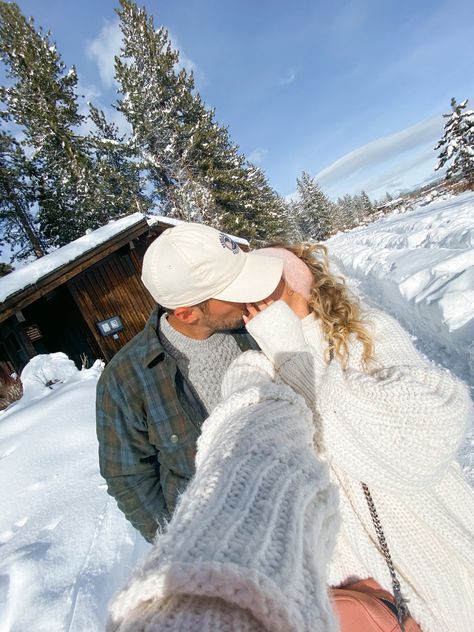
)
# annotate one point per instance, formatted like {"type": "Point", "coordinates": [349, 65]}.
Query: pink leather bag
{"type": "Point", "coordinates": [365, 606]}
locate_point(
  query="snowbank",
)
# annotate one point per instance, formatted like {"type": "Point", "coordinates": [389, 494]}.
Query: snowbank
{"type": "Point", "coordinates": [65, 548]}
{"type": "Point", "coordinates": [420, 267]}
{"type": "Point", "coordinates": [43, 372]}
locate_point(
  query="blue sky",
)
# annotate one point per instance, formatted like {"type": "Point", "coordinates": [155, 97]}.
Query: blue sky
{"type": "Point", "coordinates": [351, 92]}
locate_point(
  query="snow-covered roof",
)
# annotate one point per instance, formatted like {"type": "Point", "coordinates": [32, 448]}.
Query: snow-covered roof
{"type": "Point", "coordinates": [160, 219]}
{"type": "Point", "coordinates": [33, 272]}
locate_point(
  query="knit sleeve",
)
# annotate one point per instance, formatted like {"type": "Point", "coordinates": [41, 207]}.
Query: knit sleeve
{"type": "Point", "coordinates": [280, 335]}
{"type": "Point", "coordinates": [190, 613]}
{"type": "Point", "coordinates": [256, 526]}
{"type": "Point", "coordinates": [400, 425]}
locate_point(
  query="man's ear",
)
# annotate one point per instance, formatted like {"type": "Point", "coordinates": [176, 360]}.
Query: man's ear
{"type": "Point", "coordinates": [187, 315]}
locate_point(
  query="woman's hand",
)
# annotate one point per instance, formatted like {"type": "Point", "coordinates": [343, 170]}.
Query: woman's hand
{"type": "Point", "coordinates": [282, 292]}
{"type": "Point", "coordinates": [255, 308]}
{"type": "Point", "coordinates": [297, 303]}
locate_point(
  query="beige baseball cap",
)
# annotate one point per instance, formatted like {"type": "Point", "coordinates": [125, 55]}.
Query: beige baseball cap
{"type": "Point", "coordinates": [190, 263]}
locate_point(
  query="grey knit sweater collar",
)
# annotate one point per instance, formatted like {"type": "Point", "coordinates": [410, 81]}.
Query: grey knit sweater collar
{"type": "Point", "coordinates": [202, 362]}
{"type": "Point", "coordinates": [177, 343]}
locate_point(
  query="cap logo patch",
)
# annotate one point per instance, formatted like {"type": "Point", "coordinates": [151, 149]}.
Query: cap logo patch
{"type": "Point", "coordinates": [227, 242]}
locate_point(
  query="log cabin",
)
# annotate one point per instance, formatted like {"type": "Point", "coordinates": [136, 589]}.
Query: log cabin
{"type": "Point", "coordinates": [85, 299]}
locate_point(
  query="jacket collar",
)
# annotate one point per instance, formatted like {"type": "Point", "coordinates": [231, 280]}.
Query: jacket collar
{"type": "Point", "coordinates": [152, 347]}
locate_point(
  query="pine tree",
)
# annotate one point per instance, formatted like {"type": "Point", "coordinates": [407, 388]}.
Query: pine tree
{"type": "Point", "coordinates": [293, 233]}
{"type": "Point", "coordinates": [366, 204]}
{"type": "Point", "coordinates": [346, 213]}
{"type": "Point", "coordinates": [19, 228]}
{"type": "Point", "coordinates": [190, 200]}
{"type": "Point", "coordinates": [197, 173]}
{"type": "Point", "coordinates": [457, 143]}
{"type": "Point", "coordinates": [116, 172]}
{"type": "Point", "coordinates": [153, 101]}
{"type": "Point", "coordinates": [351, 211]}
{"type": "Point", "coordinates": [42, 101]}
{"type": "Point", "coordinates": [75, 188]}
{"type": "Point", "coordinates": [361, 208]}
{"type": "Point", "coordinates": [248, 206]}
{"type": "Point", "coordinates": [339, 221]}
{"type": "Point", "coordinates": [314, 209]}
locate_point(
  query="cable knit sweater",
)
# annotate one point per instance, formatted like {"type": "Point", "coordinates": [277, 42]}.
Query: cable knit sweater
{"type": "Point", "coordinates": [397, 429]}
{"type": "Point", "coordinates": [250, 541]}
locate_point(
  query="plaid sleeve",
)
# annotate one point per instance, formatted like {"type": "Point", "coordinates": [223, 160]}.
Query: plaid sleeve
{"type": "Point", "coordinates": [128, 461]}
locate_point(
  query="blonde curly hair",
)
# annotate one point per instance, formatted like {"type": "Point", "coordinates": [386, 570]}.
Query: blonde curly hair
{"type": "Point", "coordinates": [337, 309]}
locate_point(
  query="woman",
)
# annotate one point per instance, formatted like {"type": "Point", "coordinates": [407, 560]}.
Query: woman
{"type": "Point", "coordinates": [384, 417]}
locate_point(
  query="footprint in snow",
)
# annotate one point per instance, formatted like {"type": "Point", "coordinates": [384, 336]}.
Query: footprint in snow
{"type": "Point", "coordinates": [6, 536]}
{"type": "Point", "coordinates": [7, 452]}
{"type": "Point", "coordinates": [4, 586]}
{"type": "Point", "coordinates": [50, 527]}
{"type": "Point", "coordinates": [34, 550]}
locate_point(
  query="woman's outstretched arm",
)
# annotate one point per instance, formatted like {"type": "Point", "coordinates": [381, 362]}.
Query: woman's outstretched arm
{"type": "Point", "coordinates": [252, 535]}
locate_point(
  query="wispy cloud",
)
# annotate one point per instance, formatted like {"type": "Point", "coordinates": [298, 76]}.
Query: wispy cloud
{"type": "Point", "coordinates": [184, 61]}
{"type": "Point", "coordinates": [257, 155]}
{"type": "Point", "coordinates": [107, 44]}
{"type": "Point", "coordinates": [288, 77]}
{"type": "Point", "coordinates": [382, 149]}
{"type": "Point", "coordinates": [387, 162]}
{"type": "Point", "coordinates": [402, 175]}
{"type": "Point", "coordinates": [103, 49]}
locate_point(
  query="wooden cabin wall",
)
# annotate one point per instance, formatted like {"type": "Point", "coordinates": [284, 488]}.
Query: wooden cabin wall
{"type": "Point", "coordinates": [113, 288]}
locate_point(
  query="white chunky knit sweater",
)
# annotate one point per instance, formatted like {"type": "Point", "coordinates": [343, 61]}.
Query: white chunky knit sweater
{"type": "Point", "coordinates": [249, 544]}
{"type": "Point", "coordinates": [397, 429]}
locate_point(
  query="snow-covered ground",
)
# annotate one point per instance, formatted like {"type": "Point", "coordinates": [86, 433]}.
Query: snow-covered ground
{"type": "Point", "coordinates": [65, 548]}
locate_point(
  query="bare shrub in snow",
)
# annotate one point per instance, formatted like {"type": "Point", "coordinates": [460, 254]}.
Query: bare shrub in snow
{"type": "Point", "coordinates": [11, 389]}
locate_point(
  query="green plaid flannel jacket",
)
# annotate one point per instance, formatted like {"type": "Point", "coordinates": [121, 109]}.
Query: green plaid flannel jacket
{"type": "Point", "coordinates": [148, 422]}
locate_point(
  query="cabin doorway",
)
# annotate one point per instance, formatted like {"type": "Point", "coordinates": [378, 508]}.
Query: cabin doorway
{"type": "Point", "coordinates": [54, 323]}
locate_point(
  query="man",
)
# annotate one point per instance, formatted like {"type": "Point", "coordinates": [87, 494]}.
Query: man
{"type": "Point", "coordinates": [155, 393]}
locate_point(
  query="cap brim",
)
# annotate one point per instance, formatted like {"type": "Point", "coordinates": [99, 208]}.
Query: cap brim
{"type": "Point", "coordinates": [257, 280]}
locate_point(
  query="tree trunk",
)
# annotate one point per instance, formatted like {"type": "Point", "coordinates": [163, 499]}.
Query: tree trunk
{"type": "Point", "coordinates": [25, 222]}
